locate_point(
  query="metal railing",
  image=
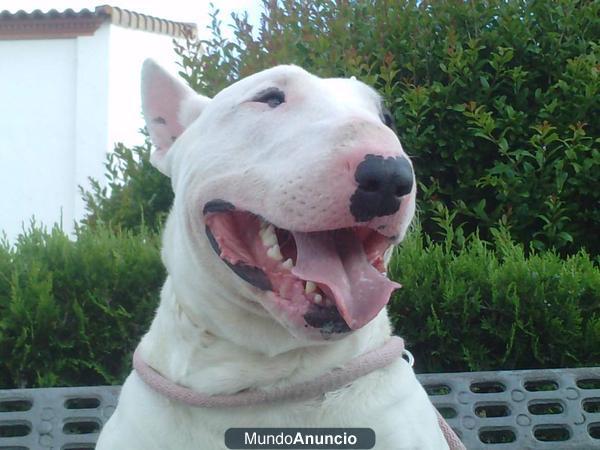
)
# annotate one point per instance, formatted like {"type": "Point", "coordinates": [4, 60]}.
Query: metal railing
{"type": "Point", "coordinates": [525, 409]}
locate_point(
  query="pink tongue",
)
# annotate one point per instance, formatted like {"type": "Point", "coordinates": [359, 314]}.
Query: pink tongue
{"type": "Point", "coordinates": [337, 259]}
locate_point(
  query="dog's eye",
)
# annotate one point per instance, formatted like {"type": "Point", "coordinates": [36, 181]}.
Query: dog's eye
{"type": "Point", "coordinates": [386, 117]}
{"type": "Point", "coordinates": [271, 96]}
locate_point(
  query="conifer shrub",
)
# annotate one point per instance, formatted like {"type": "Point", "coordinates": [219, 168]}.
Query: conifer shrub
{"type": "Point", "coordinates": [133, 196]}
{"type": "Point", "coordinates": [72, 311]}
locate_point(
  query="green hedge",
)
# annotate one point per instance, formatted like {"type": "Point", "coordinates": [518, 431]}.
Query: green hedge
{"type": "Point", "coordinates": [71, 312]}
{"type": "Point", "coordinates": [465, 306]}
{"type": "Point", "coordinates": [497, 101]}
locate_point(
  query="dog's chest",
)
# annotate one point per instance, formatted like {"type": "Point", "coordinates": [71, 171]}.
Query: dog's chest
{"type": "Point", "coordinates": [399, 413]}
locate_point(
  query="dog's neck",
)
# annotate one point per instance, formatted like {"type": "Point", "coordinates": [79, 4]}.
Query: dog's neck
{"type": "Point", "coordinates": [187, 350]}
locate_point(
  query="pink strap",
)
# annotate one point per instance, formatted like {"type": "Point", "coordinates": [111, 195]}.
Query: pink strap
{"type": "Point", "coordinates": [333, 380]}
{"type": "Point", "coordinates": [454, 443]}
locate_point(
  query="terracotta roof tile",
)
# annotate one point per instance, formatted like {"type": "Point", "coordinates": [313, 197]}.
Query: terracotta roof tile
{"type": "Point", "coordinates": [69, 23]}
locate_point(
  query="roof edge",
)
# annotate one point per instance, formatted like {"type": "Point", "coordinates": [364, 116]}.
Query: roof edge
{"type": "Point", "coordinates": [69, 23]}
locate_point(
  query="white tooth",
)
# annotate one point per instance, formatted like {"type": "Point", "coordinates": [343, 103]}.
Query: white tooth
{"type": "Point", "coordinates": [318, 299]}
{"type": "Point", "coordinates": [310, 287]}
{"type": "Point", "coordinates": [268, 236]}
{"type": "Point", "coordinates": [288, 264]}
{"type": "Point", "coordinates": [269, 240]}
{"type": "Point", "coordinates": [274, 253]}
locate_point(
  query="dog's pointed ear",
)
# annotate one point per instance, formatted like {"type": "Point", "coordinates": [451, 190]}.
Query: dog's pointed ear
{"type": "Point", "coordinates": [169, 107]}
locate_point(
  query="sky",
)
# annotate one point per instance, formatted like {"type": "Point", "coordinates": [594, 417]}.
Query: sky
{"type": "Point", "coordinates": [178, 10]}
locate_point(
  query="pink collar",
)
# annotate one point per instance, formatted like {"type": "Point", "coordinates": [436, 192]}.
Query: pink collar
{"type": "Point", "coordinates": [330, 381]}
{"type": "Point", "coordinates": [335, 379]}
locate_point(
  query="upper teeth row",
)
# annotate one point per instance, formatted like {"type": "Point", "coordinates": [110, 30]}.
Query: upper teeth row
{"type": "Point", "coordinates": [274, 253]}
{"type": "Point", "coordinates": [268, 236]}
{"type": "Point", "coordinates": [269, 240]}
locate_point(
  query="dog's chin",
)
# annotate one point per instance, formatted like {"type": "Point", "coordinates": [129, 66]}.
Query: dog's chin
{"type": "Point", "coordinates": [318, 285]}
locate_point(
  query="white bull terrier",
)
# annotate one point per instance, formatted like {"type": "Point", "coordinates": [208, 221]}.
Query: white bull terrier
{"type": "Point", "coordinates": [290, 190]}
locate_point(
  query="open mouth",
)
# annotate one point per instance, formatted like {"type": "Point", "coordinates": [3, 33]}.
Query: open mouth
{"type": "Point", "coordinates": [330, 280]}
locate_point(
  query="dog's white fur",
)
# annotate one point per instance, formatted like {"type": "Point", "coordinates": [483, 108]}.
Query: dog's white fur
{"type": "Point", "coordinates": [210, 332]}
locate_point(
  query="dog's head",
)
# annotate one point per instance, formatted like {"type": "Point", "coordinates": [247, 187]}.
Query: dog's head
{"type": "Point", "coordinates": [289, 191]}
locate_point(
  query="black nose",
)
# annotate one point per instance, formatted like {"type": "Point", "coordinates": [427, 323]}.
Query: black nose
{"type": "Point", "coordinates": [381, 184]}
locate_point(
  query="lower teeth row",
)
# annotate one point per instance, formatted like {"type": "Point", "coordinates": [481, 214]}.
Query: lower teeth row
{"type": "Point", "coordinates": [318, 298]}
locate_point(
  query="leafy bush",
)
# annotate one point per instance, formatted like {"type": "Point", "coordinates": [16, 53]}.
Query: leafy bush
{"type": "Point", "coordinates": [135, 196]}
{"type": "Point", "coordinates": [496, 101]}
{"type": "Point", "coordinates": [465, 307]}
{"type": "Point", "coordinates": [71, 312]}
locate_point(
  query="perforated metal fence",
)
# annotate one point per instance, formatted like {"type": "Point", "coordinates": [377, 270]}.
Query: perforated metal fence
{"type": "Point", "coordinates": [525, 409]}
{"type": "Point", "coordinates": [54, 418]}
{"type": "Point", "coordinates": [529, 409]}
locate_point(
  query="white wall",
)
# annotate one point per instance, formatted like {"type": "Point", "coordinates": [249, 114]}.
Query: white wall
{"type": "Point", "coordinates": [64, 103]}
{"type": "Point", "coordinates": [91, 114]}
{"type": "Point", "coordinates": [37, 130]}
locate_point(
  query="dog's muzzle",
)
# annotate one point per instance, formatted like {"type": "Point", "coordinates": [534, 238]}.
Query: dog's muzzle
{"type": "Point", "coordinates": [330, 281]}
